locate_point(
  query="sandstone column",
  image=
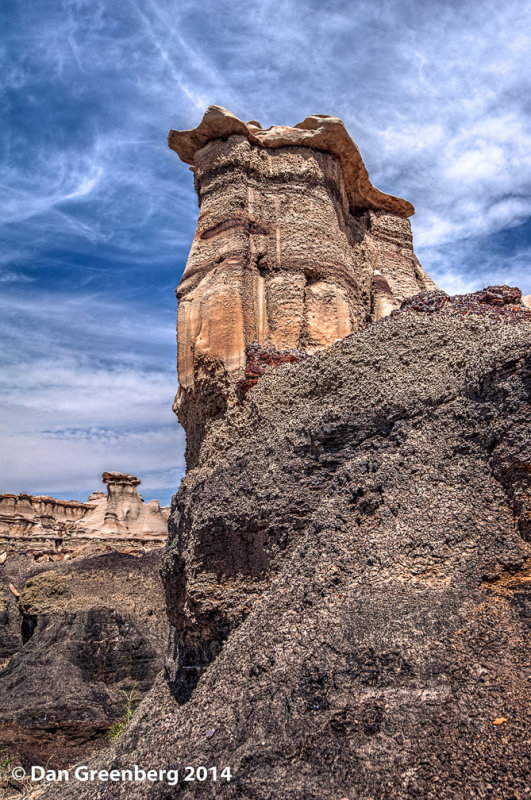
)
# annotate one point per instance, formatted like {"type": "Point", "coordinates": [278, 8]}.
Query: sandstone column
{"type": "Point", "coordinates": [294, 249]}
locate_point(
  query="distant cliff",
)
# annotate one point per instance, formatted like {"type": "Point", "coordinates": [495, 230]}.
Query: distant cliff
{"type": "Point", "coordinates": [50, 529]}
{"type": "Point", "coordinates": [82, 617]}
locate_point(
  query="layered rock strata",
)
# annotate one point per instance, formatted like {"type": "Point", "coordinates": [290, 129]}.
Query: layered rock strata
{"type": "Point", "coordinates": [75, 636]}
{"type": "Point", "coordinates": [50, 529]}
{"type": "Point", "coordinates": [19, 512]}
{"type": "Point", "coordinates": [294, 249]}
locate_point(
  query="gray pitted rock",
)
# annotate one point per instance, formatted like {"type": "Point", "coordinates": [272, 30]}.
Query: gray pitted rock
{"type": "Point", "coordinates": [348, 579]}
{"type": "Point", "coordinates": [82, 634]}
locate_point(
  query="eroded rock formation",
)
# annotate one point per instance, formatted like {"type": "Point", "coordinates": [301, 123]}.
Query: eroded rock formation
{"type": "Point", "coordinates": [347, 575]}
{"type": "Point", "coordinates": [47, 528]}
{"type": "Point", "coordinates": [294, 249]}
{"type": "Point", "coordinates": [77, 636]}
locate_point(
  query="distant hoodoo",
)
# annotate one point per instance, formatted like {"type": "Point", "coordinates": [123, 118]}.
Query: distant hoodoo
{"type": "Point", "coordinates": [294, 249]}
{"type": "Point", "coordinates": [50, 529]}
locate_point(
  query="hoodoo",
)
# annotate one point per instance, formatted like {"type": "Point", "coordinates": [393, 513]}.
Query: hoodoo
{"type": "Point", "coordinates": [50, 529]}
{"type": "Point", "coordinates": [294, 249]}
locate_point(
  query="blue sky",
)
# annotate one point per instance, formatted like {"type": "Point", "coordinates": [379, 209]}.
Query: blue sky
{"type": "Point", "coordinates": [97, 214]}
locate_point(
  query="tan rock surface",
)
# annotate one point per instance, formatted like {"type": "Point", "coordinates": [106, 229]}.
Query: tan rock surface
{"type": "Point", "coordinates": [318, 132]}
{"type": "Point", "coordinates": [290, 235]}
{"type": "Point", "coordinates": [56, 530]}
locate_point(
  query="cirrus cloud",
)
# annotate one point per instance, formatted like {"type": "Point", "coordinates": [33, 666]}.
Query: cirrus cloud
{"type": "Point", "coordinates": [96, 214]}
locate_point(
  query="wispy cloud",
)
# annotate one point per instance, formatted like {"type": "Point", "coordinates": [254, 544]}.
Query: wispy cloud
{"type": "Point", "coordinates": [86, 386]}
{"type": "Point", "coordinates": [7, 276]}
{"type": "Point", "coordinates": [97, 215]}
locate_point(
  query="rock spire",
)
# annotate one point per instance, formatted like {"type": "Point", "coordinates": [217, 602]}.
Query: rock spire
{"type": "Point", "coordinates": [294, 249]}
{"type": "Point", "coordinates": [50, 529]}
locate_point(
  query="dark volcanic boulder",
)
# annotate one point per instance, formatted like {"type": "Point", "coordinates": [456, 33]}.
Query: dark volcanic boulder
{"type": "Point", "coordinates": [348, 579]}
{"type": "Point", "coordinates": [89, 631]}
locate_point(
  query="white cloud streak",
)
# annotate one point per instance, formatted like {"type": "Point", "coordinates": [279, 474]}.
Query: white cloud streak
{"type": "Point", "coordinates": [71, 406]}
{"type": "Point", "coordinates": [96, 213]}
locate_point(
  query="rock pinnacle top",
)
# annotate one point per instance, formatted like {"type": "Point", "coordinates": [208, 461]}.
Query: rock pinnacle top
{"type": "Point", "coordinates": [318, 131]}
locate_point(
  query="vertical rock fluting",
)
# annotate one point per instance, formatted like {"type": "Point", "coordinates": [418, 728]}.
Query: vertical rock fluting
{"type": "Point", "coordinates": [294, 249]}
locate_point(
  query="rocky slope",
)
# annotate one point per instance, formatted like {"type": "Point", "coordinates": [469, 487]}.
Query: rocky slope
{"type": "Point", "coordinates": [77, 636]}
{"type": "Point", "coordinates": [82, 619]}
{"type": "Point", "coordinates": [348, 575]}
